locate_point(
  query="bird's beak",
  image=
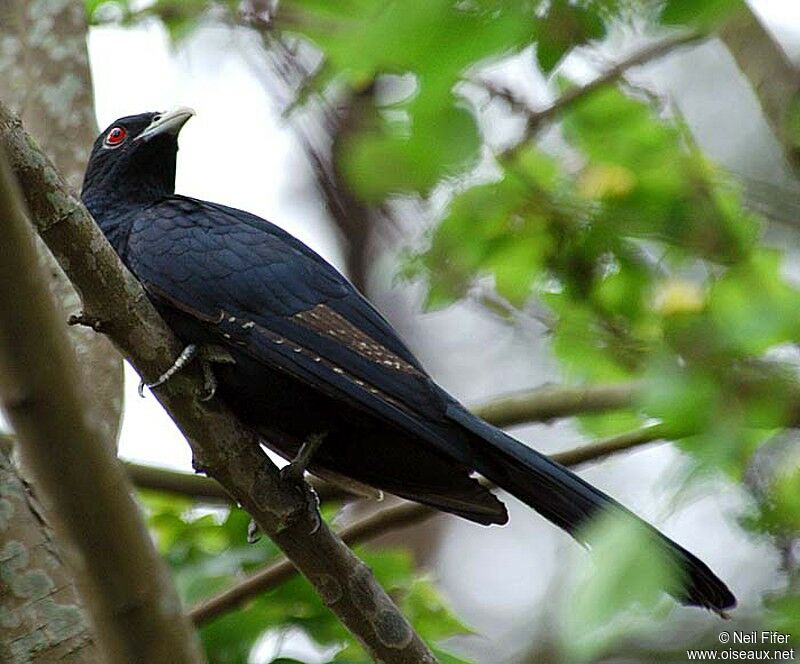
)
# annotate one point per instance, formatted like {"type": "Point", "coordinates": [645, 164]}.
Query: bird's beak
{"type": "Point", "coordinates": [169, 122]}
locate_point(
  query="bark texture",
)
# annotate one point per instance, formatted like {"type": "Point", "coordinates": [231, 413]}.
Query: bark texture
{"type": "Point", "coordinates": [45, 76]}
{"type": "Point", "coordinates": [41, 615]}
{"type": "Point", "coordinates": [124, 584]}
{"type": "Point", "coordinates": [45, 79]}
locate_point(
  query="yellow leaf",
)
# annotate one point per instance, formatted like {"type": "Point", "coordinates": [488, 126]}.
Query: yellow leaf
{"type": "Point", "coordinates": [606, 181]}
{"type": "Point", "coordinates": [679, 296]}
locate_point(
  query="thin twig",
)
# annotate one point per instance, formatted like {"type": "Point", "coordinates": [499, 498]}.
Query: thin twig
{"type": "Point", "coordinates": [536, 405]}
{"type": "Point", "coordinates": [549, 403]}
{"type": "Point", "coordinates": [393, 518]}
{"type": "Point", "coordinates": [207, 489]}
{"type": "Point", "coordinates": [641, 57]}
{"type": "Point", "coordinates": [610, 446]}
{"type": "Point", "coordinates": [536, 118]}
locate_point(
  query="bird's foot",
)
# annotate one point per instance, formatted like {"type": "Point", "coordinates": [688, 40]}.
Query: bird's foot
{"type": "Point", "coordinates": [206, 355]}
{"type": "Point", "coordinates": [297, 467]}
{"type": "Point", "coordinates": [209, 355]}
{"type": "Point", "coordinates": [184, 359]}
{"type": "Point", "coordinates": [294, 472]}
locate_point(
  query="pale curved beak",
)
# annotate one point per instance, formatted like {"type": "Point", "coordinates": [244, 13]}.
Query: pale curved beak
{"type": "Point", "coordinates": [169, 122]}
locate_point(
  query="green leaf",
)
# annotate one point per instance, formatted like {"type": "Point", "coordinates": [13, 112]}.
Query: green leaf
{"type": "Point", "coordinates": [684, 400]}
{"type": "Point", "coordinates": [650, 185]}
{"type": "Point", "coordinates": [180, 17]}
{"type": "Point", "coordinates": [752, 325]}
{"type": "Point", "coordinates": [582, 343]}
{"type": "Point", "coordinates": [414, 143]}
{"type": "Point", "coordinates": [95, 9]}
{"type": "Point", "coordinates": [783, 613]}
{"type": "Point", "coordinates": [209, 552]}
{"type": "Point", "coordinates": [396, 158]}
{"type": "Point", "coordinates": [230, 638]}
{"type": "Point", "coordinates": [565, 26]}
{"type": "Point", "coordinates": [779, 507]}
{"type": "Point", "coordinates": [627, 575]}
{"type": "Point", "coordinates": [699, 13]}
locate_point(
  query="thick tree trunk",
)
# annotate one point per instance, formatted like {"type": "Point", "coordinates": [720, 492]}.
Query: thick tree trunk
{"type": "Point", "coordinates": [125, 585]}
{"type": "Point", "coordinates": [41, 616]}
{"type": "Point", "coordinates": [44, 75]}
{"type": "Point", "coordinates": [45, 79]}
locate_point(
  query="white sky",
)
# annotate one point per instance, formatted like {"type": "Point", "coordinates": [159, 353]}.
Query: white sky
{"type": "Point", "coordinates": [783, 19]}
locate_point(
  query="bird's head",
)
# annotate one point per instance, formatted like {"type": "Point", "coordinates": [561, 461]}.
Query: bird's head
{"type": "Point", "coordinates": [133, 160]}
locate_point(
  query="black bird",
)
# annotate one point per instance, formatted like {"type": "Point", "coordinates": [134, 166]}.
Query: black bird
{"type": "Point", "coordinates": [312, 359]}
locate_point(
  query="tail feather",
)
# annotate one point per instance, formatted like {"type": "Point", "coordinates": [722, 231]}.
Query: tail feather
{"type": "Point", "coordinates": [570, 502]}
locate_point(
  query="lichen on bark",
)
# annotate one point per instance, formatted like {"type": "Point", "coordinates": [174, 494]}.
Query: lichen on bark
{"type": "Point", "coordinates": [41, 618]}
{"type": "Point", "coordinates": [46, 80]}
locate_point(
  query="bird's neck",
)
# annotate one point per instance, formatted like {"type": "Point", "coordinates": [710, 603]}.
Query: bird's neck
{"type": "Point", "coordinates": [115, 195]}
{"type": "Point", "coordinates": [125, 195]}
{"type": "Point", "coordinates": [115, 222]}
{"type": "Point", "coordinates": [115, 204]}
{"type": "Point", "coordinates": [116, 209]}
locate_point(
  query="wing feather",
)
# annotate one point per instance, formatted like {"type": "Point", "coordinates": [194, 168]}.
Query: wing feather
{"type": "Point", "coordinates": [281, 303]}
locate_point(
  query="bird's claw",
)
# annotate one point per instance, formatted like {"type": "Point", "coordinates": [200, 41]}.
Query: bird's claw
{"type": "Point", "coordinates": [183, 360]}
{"type": "Point", "coordinates": [297, 467]}
{"type": "Point", "coordinates": [252, 532]}
{"type": "Point", "coordinates": [209, 383]}
{"type": "Point", "coordinates": [207, 355]}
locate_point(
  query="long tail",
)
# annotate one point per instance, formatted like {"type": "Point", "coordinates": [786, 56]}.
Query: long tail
{"type": "Point", "coordinates": [569, 502]}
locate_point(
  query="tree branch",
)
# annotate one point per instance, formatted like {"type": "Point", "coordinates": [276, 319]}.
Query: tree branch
{"type": "Point", "coordinates": [536, 118]}
{"type": "Point", "coordinates": [221, 445]}
{"type": "Point", "coordinates": [536, 405]}
{"type": "Point", "coordinates": [610, 446]}
{"type": "Point", "coordinates": [549, 403]}
{"type": "Point", "coordinates": [774, 381]}
{"type": "Point", "coordinates": [176, 482]}
{"type": "Point", "coordinates": [641, 57]}
{"type": "Point", "coordinates": [773, 77]}
{"type": "Point", "coordinates": [124, 583]}
{"type": "Point", "coordinates": [31, 551]}
{"type": "Point", "coordinates": [206, 488]}
{"type": "Point", "coordinates": [393, 518]}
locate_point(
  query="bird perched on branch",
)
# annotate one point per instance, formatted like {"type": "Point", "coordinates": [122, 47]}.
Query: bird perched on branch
{"type": "Point", "coordinates": [305, 360]}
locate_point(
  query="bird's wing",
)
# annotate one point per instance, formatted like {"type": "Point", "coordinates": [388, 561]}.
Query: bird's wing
{"type": "Point", "coordinates": [271, 296]}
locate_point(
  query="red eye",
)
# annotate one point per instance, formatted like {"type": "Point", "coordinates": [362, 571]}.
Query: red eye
{"type": "Point", "coordinates": [115, 136]}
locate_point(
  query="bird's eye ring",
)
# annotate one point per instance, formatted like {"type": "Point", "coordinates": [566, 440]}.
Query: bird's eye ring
{"type": "Point", "coordinates": [115, 137]}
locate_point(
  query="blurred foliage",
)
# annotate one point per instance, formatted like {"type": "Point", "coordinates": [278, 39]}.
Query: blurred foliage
{"type": "Point", "coordinates": [706, 13]}
{"type": "Point", "coordinates": [208, 552]}
{"type": "Point", "coordinates": [638, 245]}
{"type": "Point", "coordinates": [635, 573]}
